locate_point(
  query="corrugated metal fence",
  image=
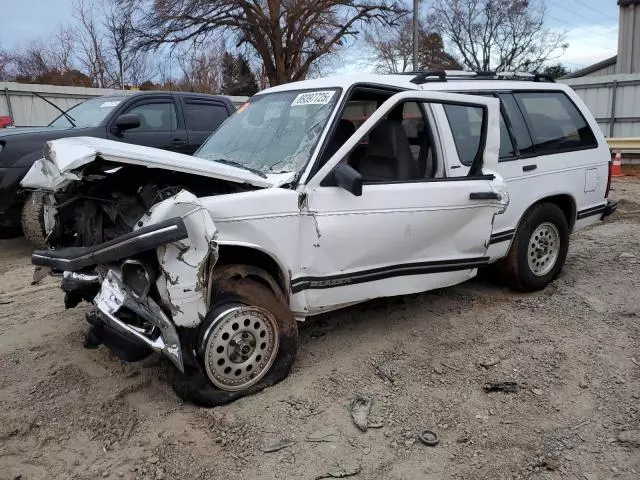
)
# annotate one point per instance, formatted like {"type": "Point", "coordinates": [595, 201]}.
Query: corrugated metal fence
{"type": "Point", "coordinates": [27, 110]}
{"type": "Point", "coordinates": [614, 100]}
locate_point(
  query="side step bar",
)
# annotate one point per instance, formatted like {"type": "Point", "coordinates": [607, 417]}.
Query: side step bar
{"type": "Point", "coordinates": [146, 238]}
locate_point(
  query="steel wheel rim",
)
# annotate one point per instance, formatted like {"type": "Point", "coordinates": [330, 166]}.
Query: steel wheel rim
{"type": "Point", "coordinates": [543, 249]}
{"type": "Point", "coordinates": [241, 345]}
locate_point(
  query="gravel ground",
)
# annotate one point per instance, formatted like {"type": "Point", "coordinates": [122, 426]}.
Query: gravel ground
{"type": "Point", "coordinates": [574, 349]}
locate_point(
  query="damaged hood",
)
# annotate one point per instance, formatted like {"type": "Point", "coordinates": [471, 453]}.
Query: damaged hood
{"type": "Point", "coordinates": [65, 155]}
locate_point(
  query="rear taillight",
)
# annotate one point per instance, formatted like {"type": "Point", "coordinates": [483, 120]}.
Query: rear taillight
{"type": "Point", "coordinates": [606, 193]}
{"type": "Point", "coordinates": [5, 121]}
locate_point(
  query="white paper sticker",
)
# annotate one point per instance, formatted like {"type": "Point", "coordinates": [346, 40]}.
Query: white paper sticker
{"type": "Point", "coordinates": [113, 103]}
{"type": "Point", "coordinates": [313, 98]}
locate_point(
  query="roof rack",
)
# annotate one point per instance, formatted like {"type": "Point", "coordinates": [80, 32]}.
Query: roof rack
{"type": "Point", "coordinates": [446, 75]}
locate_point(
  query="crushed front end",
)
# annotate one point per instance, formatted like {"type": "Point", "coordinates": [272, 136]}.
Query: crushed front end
{"type": "Point", "coordinates": [145, 285]}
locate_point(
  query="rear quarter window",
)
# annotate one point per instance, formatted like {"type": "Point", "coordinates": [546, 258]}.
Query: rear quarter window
{"type": "Point", "coordinates": [204, 116]}
{"type": "Point", "coordinates": [555, 123]}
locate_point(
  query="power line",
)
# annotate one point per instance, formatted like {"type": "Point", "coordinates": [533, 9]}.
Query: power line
{"type": "Point", "coordinates": [595, 10]}
{"type": "Point", "coordinates": [579, 15]}
{"type": "Point", "coordinates": [575, 25]}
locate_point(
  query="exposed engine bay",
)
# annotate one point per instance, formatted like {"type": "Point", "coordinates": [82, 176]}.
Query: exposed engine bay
{"type": "Point", "coordinates": [110, 199]}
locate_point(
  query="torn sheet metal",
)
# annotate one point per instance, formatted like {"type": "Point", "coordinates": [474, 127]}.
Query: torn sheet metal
{"type": "Point", "coordinates": [45, 175]}
{"type": "Point", "coordinates": [500, 187]}
{"type": "Point", "coordinates": [185, 264]}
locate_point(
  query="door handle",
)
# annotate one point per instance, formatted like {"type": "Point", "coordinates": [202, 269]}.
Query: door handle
{"type": "Point", "coordinates": [178, 141]}
{"type": "Point", "coordinates": [485, 196]}
{"type": "Point", "coordinates": [528, 168]}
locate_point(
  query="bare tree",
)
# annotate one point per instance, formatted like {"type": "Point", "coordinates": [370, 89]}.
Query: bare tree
{"type": "Point", "coordinates": [201, 68]}
{"type": "Point", "coordinates": [498, 34]}
{"type": "Point", "coordinates": [5, 65]}
{"type": "Point", "coordinates": [287, 35]}
{"type": "Point", "coordinates": [125, 64]}
{"type": "Point", "coordinates": [393, 49]}
{"type": "Point", "coordinates": [39, 63]}
{"type": "Point", "coordinates": [31, 62]}
{"type": "Point", "coordinates": [89, 42]}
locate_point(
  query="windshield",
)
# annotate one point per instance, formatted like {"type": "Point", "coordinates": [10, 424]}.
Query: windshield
{"type": "Point", "coordinates": [274, 132]}
{"type": "Point", "coordinates": [88, 114]}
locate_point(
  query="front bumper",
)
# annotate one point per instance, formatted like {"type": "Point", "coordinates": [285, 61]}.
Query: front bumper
{"type": "Point", "coordinates": [141, 240]}
{"type": "Point", "coordinates": [612, 206]}
{"type": "Point", "coordinates": [114, 299]}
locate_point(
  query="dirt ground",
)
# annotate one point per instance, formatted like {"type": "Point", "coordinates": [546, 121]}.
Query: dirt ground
{"type": "Point", "coordinates": [71, 413]}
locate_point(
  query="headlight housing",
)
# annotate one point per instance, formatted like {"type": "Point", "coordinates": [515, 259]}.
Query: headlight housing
{"type": "Point", "coordinates": [137, 276]}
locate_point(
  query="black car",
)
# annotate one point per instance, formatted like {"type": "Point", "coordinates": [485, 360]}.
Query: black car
{"type": "Point", "coordinates": [177, 121]}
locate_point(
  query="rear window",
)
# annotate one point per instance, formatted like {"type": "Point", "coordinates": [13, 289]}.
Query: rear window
{"type": "Point", "coordinates": [555, 122]}
{"type": "Point", "coordinates": [204, 117]}
{"type": "Point", "coordinates": [466, 127]}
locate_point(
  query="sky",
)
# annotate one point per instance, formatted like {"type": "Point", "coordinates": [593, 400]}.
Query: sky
{"type": "Point", "coordinates": [591, 27]}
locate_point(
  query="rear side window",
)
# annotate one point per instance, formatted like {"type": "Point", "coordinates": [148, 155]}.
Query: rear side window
{"type": "Point", "coordinates": [204, 117]}
{"type": "Point", "coordinates": [555, 122]}
{"type": "Point", "coordinates": [466, 127]}
{"type": "Point", "coordinates": [518, 126]}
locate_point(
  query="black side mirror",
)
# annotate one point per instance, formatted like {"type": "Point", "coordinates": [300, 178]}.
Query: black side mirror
{"type": "Point", "coordinates": [127, 122]}
{"type": "Point", "coordinates": [348, 178]}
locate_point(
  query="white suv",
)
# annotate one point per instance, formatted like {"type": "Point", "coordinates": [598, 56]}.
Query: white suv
{"type": "Point", "coordinates": [313, 196]}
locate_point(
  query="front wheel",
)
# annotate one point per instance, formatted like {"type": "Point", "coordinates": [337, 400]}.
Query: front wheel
{"type": "Point", "coordinates": [539, 249]}
{"type": "Point", "coordinates": [32, 220]}
{"type": "Point", "coordinates": [247, 342]}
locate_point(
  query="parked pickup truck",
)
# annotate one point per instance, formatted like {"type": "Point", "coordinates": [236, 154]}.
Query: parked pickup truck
{"type": "Point", "coordinates": [289, 210]}
{"type": "Point", "coordinates": [176, 121]}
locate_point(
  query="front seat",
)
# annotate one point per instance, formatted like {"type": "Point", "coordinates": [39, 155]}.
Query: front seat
{"type": "Point", "coordinates": [388, 155]}
{"type": "Point", "coordinates": [343, 132]}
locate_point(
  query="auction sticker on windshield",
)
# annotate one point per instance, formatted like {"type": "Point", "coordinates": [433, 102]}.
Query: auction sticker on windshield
{"type": "Point", "coordinates": [313, 98]}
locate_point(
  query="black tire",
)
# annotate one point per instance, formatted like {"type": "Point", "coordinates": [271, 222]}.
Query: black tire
{"type": "Point", "coordinates": [514, 268]}
{"type": "Point", "coordinates": [32, 219]}
{"type": "Point", "coordinates": [194, 385]}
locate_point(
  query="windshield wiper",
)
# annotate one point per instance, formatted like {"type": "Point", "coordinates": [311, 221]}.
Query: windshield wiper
{"type": "Point", "coordinates": [240, 165]}
{"type": "Point", "coordinates": [67, 116]}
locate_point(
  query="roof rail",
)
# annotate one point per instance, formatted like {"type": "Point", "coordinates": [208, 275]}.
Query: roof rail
{"type": "Point", "coordinates": [446, 75]}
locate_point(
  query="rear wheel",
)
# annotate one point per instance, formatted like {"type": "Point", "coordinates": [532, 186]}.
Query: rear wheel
{"type": "Point", "coordinates": [247, 342]}
{"type": "Point", "coordinates": [539, 249]}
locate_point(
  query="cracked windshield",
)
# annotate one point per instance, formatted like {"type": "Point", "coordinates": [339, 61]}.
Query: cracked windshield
{"type": "Point", "coordinates": [273, 133]}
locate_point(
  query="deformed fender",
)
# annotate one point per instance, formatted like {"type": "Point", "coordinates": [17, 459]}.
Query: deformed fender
{"type": "Point", "coordinates": [185, 265]}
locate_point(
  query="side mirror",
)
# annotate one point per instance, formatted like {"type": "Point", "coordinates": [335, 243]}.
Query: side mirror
{"type": "Point", "coordinates": [127, 122]}
{"type": "Point", "coordinates": [348, 178]}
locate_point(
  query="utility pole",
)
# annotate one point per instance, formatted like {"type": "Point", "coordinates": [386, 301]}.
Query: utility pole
{"type": "Point", "coordinates": [415, 35]}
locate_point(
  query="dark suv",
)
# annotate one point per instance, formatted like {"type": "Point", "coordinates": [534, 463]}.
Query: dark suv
{"type": "Point", "coordinates": [177, 121]}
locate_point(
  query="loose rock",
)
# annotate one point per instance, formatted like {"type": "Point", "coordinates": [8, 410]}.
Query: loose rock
{"type": "Point", "coordinates": [490, 363]}
{"type": "Point", "coordinates": [360, 408]}
{"type": "Point", "coordinates": [276, 445]}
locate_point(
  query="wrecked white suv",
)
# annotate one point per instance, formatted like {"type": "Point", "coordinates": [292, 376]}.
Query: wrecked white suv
{"type": "Point", "coordinates": [313, 196]}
